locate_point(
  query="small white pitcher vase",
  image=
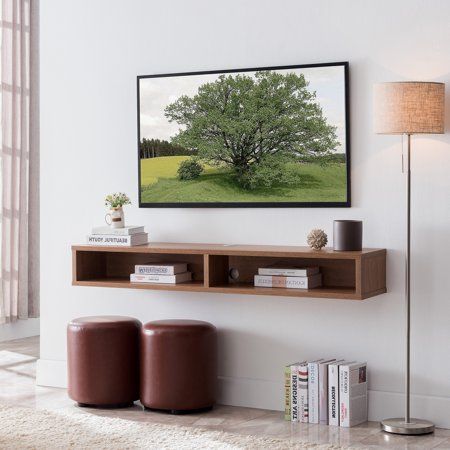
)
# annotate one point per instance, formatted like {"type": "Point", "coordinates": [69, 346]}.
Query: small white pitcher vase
{"type": "Point", "coordinates": [115, 218]}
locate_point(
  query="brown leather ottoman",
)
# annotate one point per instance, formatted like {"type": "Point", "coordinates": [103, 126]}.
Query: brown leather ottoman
{"type": "Point", "coordinates": [178, 365]}
{"type": "Point", "coordinates": [103, 360]}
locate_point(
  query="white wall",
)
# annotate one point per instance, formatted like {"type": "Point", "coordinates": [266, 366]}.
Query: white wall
{"type": "Point", "coordinates": [91, 53]}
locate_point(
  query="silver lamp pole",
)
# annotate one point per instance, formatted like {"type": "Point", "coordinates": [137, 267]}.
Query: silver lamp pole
{"type": "Point", "coordinates": [409, 107]}
{"type": "Point", "coordinates": [408, 425]}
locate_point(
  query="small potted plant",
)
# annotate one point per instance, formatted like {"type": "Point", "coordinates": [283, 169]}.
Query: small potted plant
{"type": "Point", "coordinates": [116, 218]}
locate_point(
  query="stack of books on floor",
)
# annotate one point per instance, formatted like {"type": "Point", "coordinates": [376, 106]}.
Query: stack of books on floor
{"type": "Point", "coordinates": [161, 273]}
{"type": "Point", "coordinates": [329, 392]}
{"type": "Point", "coordinates": [289, 277]}
{"type": "Point", "coordinates": [123, 237]}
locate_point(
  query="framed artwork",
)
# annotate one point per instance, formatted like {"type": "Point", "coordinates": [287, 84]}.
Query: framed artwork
{"type": "Point", "coordinates": [259, 137]}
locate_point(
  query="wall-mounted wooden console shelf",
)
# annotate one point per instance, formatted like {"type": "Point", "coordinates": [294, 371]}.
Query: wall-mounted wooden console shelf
{"type": "Point", "coordinates": [346, 275]}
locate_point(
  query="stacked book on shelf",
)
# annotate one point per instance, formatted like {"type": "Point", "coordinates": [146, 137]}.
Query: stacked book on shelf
{"type": "Point", "coordinates": [329, 392]}
{"type": "Point", "coordinates": [289, 277]}
{"type": "Point", "coordinates": [122, 237]}
{"type": "Point", "coordinates": [161, 273]}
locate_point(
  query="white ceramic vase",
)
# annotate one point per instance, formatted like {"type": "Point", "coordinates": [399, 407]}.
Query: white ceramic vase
{"type": "Point", "coordinates": [115, 218]}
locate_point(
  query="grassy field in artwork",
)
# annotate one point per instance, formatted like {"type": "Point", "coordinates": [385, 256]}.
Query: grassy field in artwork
{"type": "Point", "coordinates": [159, 184]}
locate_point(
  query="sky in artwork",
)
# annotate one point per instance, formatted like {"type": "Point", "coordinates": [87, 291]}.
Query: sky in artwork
{"type": "Point", "coordinates": [157, 93]}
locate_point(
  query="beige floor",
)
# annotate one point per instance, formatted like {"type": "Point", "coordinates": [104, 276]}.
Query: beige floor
{"type": "Point", "coordinates": [17, 387]}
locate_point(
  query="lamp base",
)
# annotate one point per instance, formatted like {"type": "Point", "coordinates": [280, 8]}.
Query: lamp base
{"type": "Point", "coordinates": [413, 427]}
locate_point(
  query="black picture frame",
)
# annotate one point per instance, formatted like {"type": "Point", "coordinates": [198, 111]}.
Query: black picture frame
{"type": "Point", "coordinates": [344, 204]}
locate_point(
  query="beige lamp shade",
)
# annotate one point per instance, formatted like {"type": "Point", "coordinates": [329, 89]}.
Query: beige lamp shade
{"type": "Point", "coordinates": [409, 107]}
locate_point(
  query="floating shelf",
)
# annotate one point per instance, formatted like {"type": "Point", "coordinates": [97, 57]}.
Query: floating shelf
{"type": "Point", "coordinates": [346, 275]}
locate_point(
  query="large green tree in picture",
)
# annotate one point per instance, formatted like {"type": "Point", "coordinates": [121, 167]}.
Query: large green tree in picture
{"type": "Point", "coordinates": [249, 122]}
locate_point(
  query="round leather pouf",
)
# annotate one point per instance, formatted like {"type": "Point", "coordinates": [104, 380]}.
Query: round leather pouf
{"type": "Point", "coordinates": [103, 360]}
{"type": "Point", "coordinates": [178, 365]}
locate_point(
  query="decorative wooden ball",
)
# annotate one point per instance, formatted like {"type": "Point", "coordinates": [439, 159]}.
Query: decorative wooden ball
{"type": "Point", "coordinates": [317, 239]}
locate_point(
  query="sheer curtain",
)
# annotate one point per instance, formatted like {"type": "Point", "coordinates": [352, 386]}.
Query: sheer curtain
{"type": "Point", "coordinates": [19, 293]}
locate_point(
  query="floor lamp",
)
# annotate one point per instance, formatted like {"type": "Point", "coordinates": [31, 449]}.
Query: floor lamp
{"type": "Point", "coordinates": [408, 108]}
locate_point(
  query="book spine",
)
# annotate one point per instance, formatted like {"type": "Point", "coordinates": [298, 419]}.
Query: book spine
{"type": "Point", "coordinates": [171, 279]}
{"type": "Point", "coordinates": [303, 393]}
{"type": "Point", "coordinates": [344, 396]}
{"type": "Point", "coordinates": [283, 282]}
{"type": "Point", "coordinates": [323, 394]}
{"type": "Point", "coordinates": [294, 393]}
{"type": "Point", "coordinates": [333, 394]}
{"type": "Point", "coordinates": [96, 239]}
{"type": "Point", "coordinates": [287, 393]}
{"type": "Point", "coordinates": [117, 231]}
{"type": "Point", "coordinates": [155, 270]}
{"type": "Point", "coordinates": [283, 272]}
{"type": "Point", "coordinates": [313, 393]}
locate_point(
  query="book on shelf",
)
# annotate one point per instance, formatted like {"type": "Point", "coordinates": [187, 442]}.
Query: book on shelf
{"type": "Point", "coordinates": [333, 391]}
{"type": "Point", "coordinates": [161, 279]}
{"type": "Point", "coordinates": [294, 393]}
{"type": "Point", "coordinates": [287, 392]}
{"type": "Point", "coordinates": [121, 241]}
{"type": "Point", "coordinates": [288, 271]}
{"type": "Point", "coordinates": [352, 394]}
{"type": "Point", "coordinates": [310, 282]}
{"type": "Point", "coordinates": [303, 392]}
{"type": "Point", "coordinates": [161, 268]}
{"type": "Point", "coordinates": [125, 231]}
{"type": "Point", "coordinates": [313, 391]}
{"type": "Point", "coordinates": [323, 391]}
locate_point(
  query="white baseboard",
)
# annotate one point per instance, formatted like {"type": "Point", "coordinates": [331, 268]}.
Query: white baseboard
{"type": "Point", "coordinates": [266, 394]}
{"type": "Point", "coordinates": [20, 329]}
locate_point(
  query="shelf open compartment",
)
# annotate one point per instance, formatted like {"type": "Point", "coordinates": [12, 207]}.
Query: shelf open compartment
{"type": "Point", "coordinates": [345, 275]}
{"type": "Point", "coordinates": [237, 273]}
{"type": "Point", "coordinates": [115, 267]}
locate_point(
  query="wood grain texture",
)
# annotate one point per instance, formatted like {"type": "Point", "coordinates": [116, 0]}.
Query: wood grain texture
{"type": "Point", "coordinates": [346, 275]}
{"type": "Point", "coordinates": [373, 274]}
{"type": "Point", "coordinates": [226, 249]}
{"type": "Point", "coordinates": [218, 269]}
{"type": "Point", "coordinates": [88, 265]}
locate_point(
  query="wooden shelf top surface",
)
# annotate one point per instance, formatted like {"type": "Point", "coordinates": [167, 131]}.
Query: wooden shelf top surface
{"type": "Point", "coordinates": [233, 249]}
